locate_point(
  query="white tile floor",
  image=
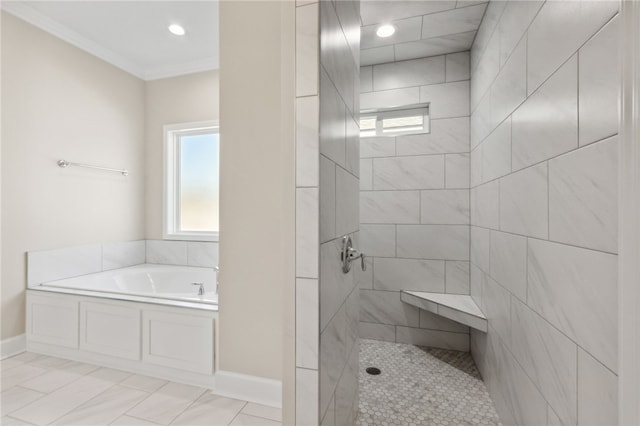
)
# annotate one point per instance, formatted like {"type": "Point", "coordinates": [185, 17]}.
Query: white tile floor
{"type": "Point", "coordinates": [42, 390]}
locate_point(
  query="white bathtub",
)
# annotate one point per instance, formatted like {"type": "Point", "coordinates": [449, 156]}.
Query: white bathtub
{"type": "Point", "coordinates": [165, 282]}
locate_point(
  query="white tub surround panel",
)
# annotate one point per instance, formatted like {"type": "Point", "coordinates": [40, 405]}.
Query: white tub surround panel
{"type": "Point", "coordinates": [414, 199]}
{"type": "Point", "coordinates": [543, 207]}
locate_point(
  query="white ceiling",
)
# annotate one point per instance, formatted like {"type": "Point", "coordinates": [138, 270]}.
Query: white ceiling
{"type": "Point", "coordinates": [423, 28]}
{"type": "Point", "coordinates": [132, 35]}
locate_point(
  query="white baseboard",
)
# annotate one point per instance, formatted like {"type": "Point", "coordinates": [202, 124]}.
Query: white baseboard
{"type": "Point", "coordinates": [248, 388]}
{"type": "Point", "coordinates": [13, 346]}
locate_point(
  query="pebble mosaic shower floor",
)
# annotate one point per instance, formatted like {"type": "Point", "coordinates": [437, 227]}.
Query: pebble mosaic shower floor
{"type": "Point", "coordinates": [421, 386]}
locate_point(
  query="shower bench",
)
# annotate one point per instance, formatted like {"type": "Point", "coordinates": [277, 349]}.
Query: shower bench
{"type": "Point", "coordinates": [456, 307]}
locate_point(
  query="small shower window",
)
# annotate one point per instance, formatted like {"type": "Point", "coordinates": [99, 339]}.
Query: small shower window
{"type": "Point", "coordinates": [409, 119]}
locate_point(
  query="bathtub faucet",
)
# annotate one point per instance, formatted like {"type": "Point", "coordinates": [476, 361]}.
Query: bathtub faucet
{"type": "Point", "coordinates": [201, 289]}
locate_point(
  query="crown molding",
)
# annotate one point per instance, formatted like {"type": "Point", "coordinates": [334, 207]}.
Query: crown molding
{"type": "Point", "coordinates": [175, 70]}
{"type": "Point", "coordinates": [23, 11]}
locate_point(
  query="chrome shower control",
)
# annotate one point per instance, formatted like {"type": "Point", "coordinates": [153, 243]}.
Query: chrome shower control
{"type": "Point", "coordinates": [350, 254]}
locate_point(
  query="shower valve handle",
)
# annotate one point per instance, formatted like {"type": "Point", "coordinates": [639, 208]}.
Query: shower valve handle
{"type": "Point", "coordinates": [350, 254]}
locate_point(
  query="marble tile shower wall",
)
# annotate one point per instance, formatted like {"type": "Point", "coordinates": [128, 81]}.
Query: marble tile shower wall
{"type": "Point", "coordinates": [414, 202]}
{"type": "Point", "coordinates": [327, 170]}
{"type": "Point", "coordinates": [544, 102]}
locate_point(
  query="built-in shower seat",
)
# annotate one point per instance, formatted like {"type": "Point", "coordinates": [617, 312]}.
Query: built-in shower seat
{"type": "Point", "coordinates": [456, 307]}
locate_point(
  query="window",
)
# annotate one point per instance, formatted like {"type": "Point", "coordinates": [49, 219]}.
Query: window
{"type": "Point", "coordinates": [191, 181]}
{"type": "Point", "coordinates": [405, 120]}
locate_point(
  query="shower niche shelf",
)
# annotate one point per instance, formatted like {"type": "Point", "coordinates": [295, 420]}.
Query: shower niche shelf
{"type": "Point", "coordinates": [456, 307]}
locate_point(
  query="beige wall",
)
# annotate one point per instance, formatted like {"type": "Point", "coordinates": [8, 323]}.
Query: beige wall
{"type": "Point", "coordinates": [257, 188]}
{"type": "Point", "coordinates": [60, 102]}
{"type": "Point", "coordinates": [183, 99]}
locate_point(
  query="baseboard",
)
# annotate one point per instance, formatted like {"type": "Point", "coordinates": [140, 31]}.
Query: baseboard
{"type": "Point", "coordinates": [249, 388]}
{"type": "Point", "coordinates": [13, 346]}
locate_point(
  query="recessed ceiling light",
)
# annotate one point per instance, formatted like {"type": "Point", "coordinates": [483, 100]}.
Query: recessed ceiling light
{"type": "Point", "coordinates": [176, 29]}
{"type": "Point", "coordinates": [385, 30]}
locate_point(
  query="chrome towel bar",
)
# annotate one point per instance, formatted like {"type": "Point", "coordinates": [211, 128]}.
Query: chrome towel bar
{"type": "Point", "coordinates": [65, 164]}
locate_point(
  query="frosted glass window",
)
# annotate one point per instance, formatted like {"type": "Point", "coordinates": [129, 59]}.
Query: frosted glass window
{"type": "Point", "coordinates": [409, 119]}
{"type": "Point", "coordinates": [192, 170]}
{"type": "Point", "coordinates": [199, 171]}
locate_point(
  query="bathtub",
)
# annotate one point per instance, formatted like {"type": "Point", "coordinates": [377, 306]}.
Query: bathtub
{"type": "Point", "coordinates": [147, 319]}
{"type": "Point", "coordinates": [165, 282]}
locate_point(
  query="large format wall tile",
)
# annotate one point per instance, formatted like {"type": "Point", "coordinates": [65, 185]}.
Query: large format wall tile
{"type": "Point", "coordinates": [378, 240]}
{"type": "Point", "coordinates": [335, 54]}
{"type": "Point", "coordinates": [457, 66]}
{"type": "Point", "coordinates": [377, 147]}
{"type": "Point", "coordinates": [420, 172]}
{"type": "Point", "coordinates": [456, 168]}
{"type": "Point", "coordinates": [497, 308]}
{"type": "Point", "coordinates": [546, 124]}
{"type": "Point", "coordinates": [496, 152]}
{"type": "Point", "coordinates": [418, 72]}
{"type": "Point", "coordinates": [327, 199]}
{"type": "Point", "coordinates": [480, 244]}
{"type": "Point", "coordinates": [597, 392]}
{"type": "Point", "coordinates": [583, 197]}
{"type": "Point", "coordinates": [484, 205]}
{"type": "Point", "coordinates": [548, 357]}
{"type": "Point", "coordinates": [446, 206]}
{"type": "Point", "coordinates": [489, 22]}
{"type": "Point", "coordinates": [448, 135]}
{"type": "Point", "coordinates": [598, 83]}
{"type": "Point", "coordinates": [332, 122]}
{"type": "Point", "coordinates": [347, 202]}
{"type": "Point", "coordinates": [333, 357]}
{"type": "Point", "coordinates": [486, 72]}
{"type": "Point", "coordinates": [366, 79]}
{"type": "Point", "coordinates": [307, 146]}
{"type": "Point", "coordinates": [307, 210]}
{"type": "Point", "coordinates": [575, 290]}
{"type": "Point", "coordinates": [456, 21]}
{"type": "Point", "coordinates": [508, 258]}
{"type": "Point", "coordinates": [385, 307]}
{"type": "Point", "coordinates": [384, 332]}
{"type": "Point", "coordinates": [392, 274]}
{"type": "Point", "coordinates": [433, 321]}
{"type": "Point", "coordinates": [366, 174]}
{"type": "Point", "coordinates": [390, 98]}
{"type": "Point", "coordinates": [307, 326]}
{"type": "Point", "coordinates": [306, 397]}
{"type": "Point", "coordinates": [307, 50]}
{"type": "Point", "coordinates": [446, 100]}
{"type": "Point", "coordinates": [510, 87]}
{"type": "Point", "coordinates": [558, 31]}
{"type": "Point", "coordinates": [448, 242]}
{"type": "Point", "coordinates": [335, 285]}
{"type": "Point", "coordinates": [457, 277]}
{"type": "Point", "coordinates": [524, 202]}
{"type": "Point", "coordinates": [433, 46]}
{"type": "Point", "coordinates": [390, 207]}
{"type": "Point", "coordinates": [481, 121]}
{"type": "Point", "coordinates": [515, 20]}
{"type": "Point", "coordinates": [433, 338]}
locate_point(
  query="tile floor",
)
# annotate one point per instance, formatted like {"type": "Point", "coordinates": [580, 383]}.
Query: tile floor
{"type": "Point", "coordinates": [418, 386]}
{"type": "Point", "coordinates": [421, 386]}
{"type": "Point", "coordinates": [42, 390]}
